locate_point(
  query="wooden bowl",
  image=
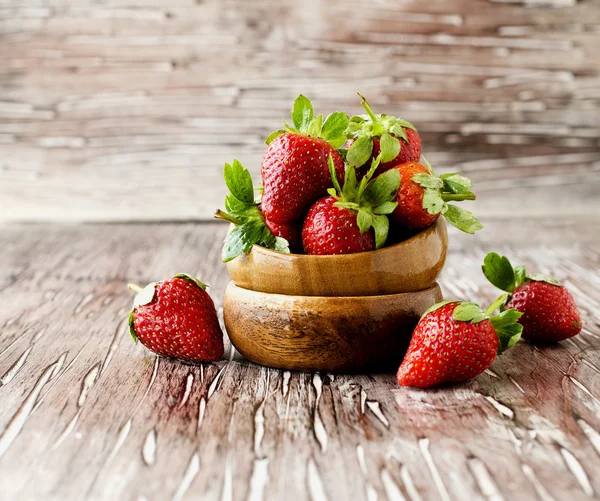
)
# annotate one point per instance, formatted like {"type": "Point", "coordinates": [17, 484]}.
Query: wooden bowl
{"type": "Point", "coordinates": [411, 265]}
{"type": "Point", "coordinates": [335, 334]}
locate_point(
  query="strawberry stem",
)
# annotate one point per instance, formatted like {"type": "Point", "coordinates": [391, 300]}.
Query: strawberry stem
{"type": "Point", "coordinates": [496, 304]}
{"type": "Point", "coordinates": [223, 216]}
{"type": "Point", "coordinates": [135, 288]}
{"type": "Point", "coordinates": [367, 108]}
{"type": "Point", "coordinates": [457, 197]}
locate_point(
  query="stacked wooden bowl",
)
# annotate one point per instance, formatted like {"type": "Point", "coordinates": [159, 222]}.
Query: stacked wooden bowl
{"type": "Point", "coordinates": [341, 313]}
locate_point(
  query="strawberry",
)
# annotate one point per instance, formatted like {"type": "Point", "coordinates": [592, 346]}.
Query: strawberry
{"type": "Point", "coordinates": [352, 219]}
{"type": "Point", "coordinates": [456, 341]}
{"type": "Point", "coordinates": [294, 168]}
{"type": "Point", "coordinates": [396, 139]}
{"type": "Point", "coordinates": [290, 232]}
{"type": "Point", "coordinates": [177, 318]}
{"type": "Point", "coordinates": [422, 199]}
{"type": "Point", "coordinates": [250, 226]}
{"type": "Point", "coordinates": [549, 310]}
{"type": "Point", "coordinates": [331, 229]}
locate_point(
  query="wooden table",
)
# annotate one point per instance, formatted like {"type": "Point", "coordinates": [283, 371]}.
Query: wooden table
{"type": "Point", "coordinates": [87, 414]}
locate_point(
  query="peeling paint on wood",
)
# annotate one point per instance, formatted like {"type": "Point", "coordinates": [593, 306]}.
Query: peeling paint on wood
{"type": "Point", "coordinates": [131, 425]}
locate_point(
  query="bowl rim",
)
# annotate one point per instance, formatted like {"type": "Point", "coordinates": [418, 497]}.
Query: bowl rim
{"type": "Point", "coordinates": [274, 253]}
{"type": "Point", "coordinates": [435, 285]}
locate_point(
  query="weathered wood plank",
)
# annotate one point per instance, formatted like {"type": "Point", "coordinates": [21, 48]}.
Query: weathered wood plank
{"type": "Point", "coordinates": [86, 413]}
{"type": "Point", "coordinates": [128, 111]}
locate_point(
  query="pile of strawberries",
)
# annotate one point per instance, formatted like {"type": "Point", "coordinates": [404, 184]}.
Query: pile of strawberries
{"type": "Point", "coordinates": [340, 186]}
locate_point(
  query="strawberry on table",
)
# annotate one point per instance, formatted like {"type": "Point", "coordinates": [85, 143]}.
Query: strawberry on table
{"type": "Point", "coordinates": [549, 310]}
{"type": "Point", "coordinates": [423, 198]}
{"type": "Point", "coordinates": [397, 140]}
{"type": "Point", "coordinates": [250, 225]}
{"type": "Point", "coordinates": [456, 341]}
{"type": "Point", "coordinates": [294, 168]}
{"type": "Point", "coordinates": [353, 218]}
{"type": "Point", "coordinates": [177, 318]}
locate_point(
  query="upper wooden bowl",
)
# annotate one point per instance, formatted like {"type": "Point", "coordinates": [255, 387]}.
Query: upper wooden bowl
{"type": "Point", "coordinates": [335, 334]}
{"type": "Point", "coordinates": [411, 265]}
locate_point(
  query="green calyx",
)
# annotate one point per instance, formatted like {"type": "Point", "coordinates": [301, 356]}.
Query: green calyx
{"type": "Point", "coordinates": [451, 187]}
{"type": "Point", "coordinates": [242, 210]}
{"type": "Point", "coordinates": [332, 129]}
{"type": "Point", "coordinates": [500, 272]}
{"type": "Point", "coordinates": [371, 200]}
{"type": "Point", "coordinates": [364, 128]}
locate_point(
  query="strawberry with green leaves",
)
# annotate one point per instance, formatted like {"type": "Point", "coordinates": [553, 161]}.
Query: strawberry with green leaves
{"type": "Point", "coordinates": [294, 168]}
{"type": "Point", "coordinates": [456, 341]}
{"type": "Point", "coordinates": [423, 198]}
{"type": "Point", "coordinates": [397, 140]}
{"type": "Point", "coordinates": [549, 310]}
{"type": "Point", "coordinates": [177, 318]}
{"type": "Point", "coordinates": [353, 218]}
{"type": "Point", "coordinates": [250, 226]}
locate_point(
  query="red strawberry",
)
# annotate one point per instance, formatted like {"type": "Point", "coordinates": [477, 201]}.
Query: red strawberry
{"type": "Point", "coordinates": [549, 310]}
{"type": "Point", "coordinates": [422, 199]}
{"type": "Point", "coordinates": [294, 167]}
{"type": "Point", "coordinates": [410, 213]}
{"type": "Point", "coordinates": [330, 229]}
{"type": "Point", "coordinates": [397, 140]}
{"type": "Point", "coordinates": [250, 226]}
{"type": "Point", "coordinates": [352, 219]}
{"type": "Point", "coordinates": [454, 342]}
{"type": "Point", "coordinates": [177, 318]}
{"type": "Point", "coordinates": [290, 232]}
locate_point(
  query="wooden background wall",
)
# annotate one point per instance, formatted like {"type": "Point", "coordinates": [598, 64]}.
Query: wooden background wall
{"type": "Point", "coordinates": [126, 110]}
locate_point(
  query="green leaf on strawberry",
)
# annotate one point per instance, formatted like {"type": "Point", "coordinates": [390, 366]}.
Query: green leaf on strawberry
{"type": "Point", "coordinates": [362, 129]}
{"type": "Point", "coordinates": [390, 147]}
{"type": "Point", "coordinates": [360, 151]}
{"type": "Point", "coordinates": [439, 190]}
{"type": "Point", "coordinates": [540, 277]}
{"type": "Point", "coordinates": [332, 129]}
{"type": "Point", "coordinates": [499, 271]}
{"type": "Point", "coordinates": [469, 312]}
{"type": "Point", "coordinates": [239, 182]}
{"type": "Point", "coordinates": [242, 210]}
{"type": "Point", "coordinates": [302, 112]}
{"type": "Point", "coordinates": [381, 191]}
{"type": "Point", "coordinates": [371, 201]}
{"type": "Point", "coordinates": [456, 183]}
{"type": "Point", "coordinates": [462, 219]}
{"type": "Point", "coordinates": [241, 239]}
{"type": "Point", "coordinates": [508, 330]}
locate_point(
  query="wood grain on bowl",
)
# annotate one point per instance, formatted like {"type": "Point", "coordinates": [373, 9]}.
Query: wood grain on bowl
{"type": "Point", "coordinates": [335, 334]}
{"type": "Point", "coordinates": [408, 266]}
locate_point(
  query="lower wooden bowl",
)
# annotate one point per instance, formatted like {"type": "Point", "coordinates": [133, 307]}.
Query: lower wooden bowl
{"type": "Point", "coordinates": [334, 334]}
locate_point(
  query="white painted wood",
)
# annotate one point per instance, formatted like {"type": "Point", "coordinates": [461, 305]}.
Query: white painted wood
{"type": "Point", "coordinates": [119, 111]}
{"type": "Point", "coordinates": [89, 414]}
